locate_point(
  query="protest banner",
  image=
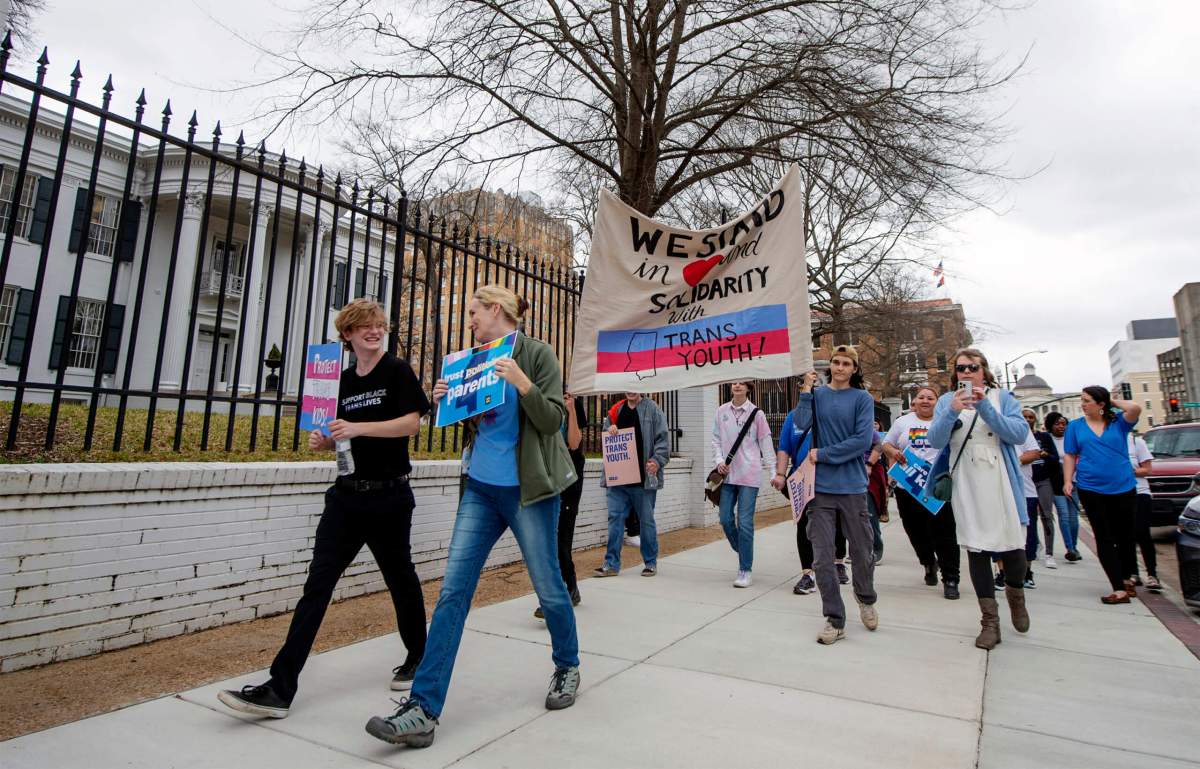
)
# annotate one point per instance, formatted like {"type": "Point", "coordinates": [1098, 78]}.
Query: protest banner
{"type": "Point", "coordinates": [322, 373]}
{"type": "Point", "coordinates": [474, 386]}
{"type": "Point", "coordinates": [912, 477]}
{"type": "Point", "coordinates": [802, 488]}
{"type": "Point", "coordinates": [621, 458]}
{"type": "Point", "coordinates": [665, 307]}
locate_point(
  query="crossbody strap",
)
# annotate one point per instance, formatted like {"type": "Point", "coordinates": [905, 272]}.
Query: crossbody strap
{"type": "Point", "coordinates": [737, 444]}
{"type": "Point", "coordinates": [966, 438]}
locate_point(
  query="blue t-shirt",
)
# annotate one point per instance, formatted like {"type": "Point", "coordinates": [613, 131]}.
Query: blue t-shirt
{"type": "Point", "coordinates": [794, 442]}
{"type": "Point", "coordinates": [494, 452]}
{"type": "Point", "coordinates": [1102, 463]}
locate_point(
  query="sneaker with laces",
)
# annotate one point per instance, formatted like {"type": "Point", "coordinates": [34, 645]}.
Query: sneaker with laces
{"type": "Point", "coordinates": [410, 725]}
{"type": "Point", "coordinates": [1029, 583]}
{"type": "Point", "coordinates": [402, 677]}
{"type": "Point", "coordinates": [634, 541]}
{"type": "Point", "coordinates": [650, 571]}
{"type": "Point", "coordinates": [843, 575]}
{"type": "Point", "coordinates": [743, 579]}
{"type": "Point", "coordinates": [870, 617]}
{"type": "Point", "coordinates": [606, 571]}
{"type": "Point", "coordinates": [805, 585]}
{"type": "Point", "coordinates": [1051, 563]}
{"type": "Point", "coordinates": [564, 685]}
{"type": "Point", "coordinates": [830, 634]}
{"type": "Point", "coordinates": [999, 580]}
{"type": "Point", "coordinates": [1152, 584]}
{"type": "Point", "coordinates": [256, 701]}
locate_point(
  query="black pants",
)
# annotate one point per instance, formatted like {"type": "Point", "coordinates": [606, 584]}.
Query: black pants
{"type": "Point", "coordinates": [1111, 516]}
{"type": "Point", "coordinates": [804, 544]}
{"type": "Point", "coordinates": [568, 512]}
{"type": "Point", "coordinates": [381, 520]}
{"type": "Point", "coordinates": [980, 567]}
{"type": "Point", "coordinates": [633, 524]}
{"type": "Point", "coordinates": [933, 537]}
{"type": "Point", "coordinates": [1141, 536]}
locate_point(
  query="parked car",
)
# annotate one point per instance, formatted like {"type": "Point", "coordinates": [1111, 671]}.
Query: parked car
{"type": "Point", "coordinates": [1187, 549]}
{"type": "Point", "coordinates": [1175, 474]}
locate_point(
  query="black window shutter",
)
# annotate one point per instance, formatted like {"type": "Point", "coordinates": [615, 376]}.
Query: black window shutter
{"type": "Point", "coordinates": [41, 210]}
{"type": "Point", "coordinates": [127, 232]}
{"type": "Point", "coordinates": [115, 323]}
{"type": "Point", "coordinates": [19, 334]}
{"type": "Point", "coordinates": [77, 221]}
{"type": "Point", "coordinates": [60, 332]}
{"type": "Point", "coordinates": [339, 284]}
{"type": "Point", "coordinates": [360, 282]}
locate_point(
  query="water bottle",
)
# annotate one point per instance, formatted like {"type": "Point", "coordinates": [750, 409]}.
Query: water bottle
{"type": "Point", "coordinates": [345, 459]}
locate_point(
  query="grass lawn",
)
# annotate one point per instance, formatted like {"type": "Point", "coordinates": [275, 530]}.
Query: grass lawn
{"type": "Point", "coordinates": [72, 426]}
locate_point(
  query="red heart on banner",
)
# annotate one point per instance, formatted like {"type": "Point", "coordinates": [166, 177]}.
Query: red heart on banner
{"type": "Point", "coordinates": [695, 272]}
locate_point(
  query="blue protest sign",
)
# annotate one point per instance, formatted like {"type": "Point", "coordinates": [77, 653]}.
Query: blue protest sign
{"type": "Point", "coordinates": [474, 385]}
{"type": "Point", "coordinates": [912, 478]}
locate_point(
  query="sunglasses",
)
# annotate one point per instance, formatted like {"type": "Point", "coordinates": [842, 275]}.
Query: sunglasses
{"type": "Point", "coordinates": [963, 368]}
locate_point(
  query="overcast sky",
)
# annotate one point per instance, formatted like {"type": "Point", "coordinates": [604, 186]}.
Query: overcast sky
{"type": "Point", "coordinates": [1108, 104]}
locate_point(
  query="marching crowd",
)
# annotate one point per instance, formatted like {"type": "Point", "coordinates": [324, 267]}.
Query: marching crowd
{"type": "Point", "coordinates": [993, 477]}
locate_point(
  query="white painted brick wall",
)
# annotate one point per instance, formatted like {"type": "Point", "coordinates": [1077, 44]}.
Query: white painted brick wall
{"type": "Point", "coordinates": [96, 557]}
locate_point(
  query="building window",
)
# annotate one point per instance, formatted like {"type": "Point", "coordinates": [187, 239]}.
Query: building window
{"type": "Point", "coordinates": [8, 308]}
{"type": "Point", "coordinates": [941, 361]}
{"type": "Point", "coordinates": [1152, 421]}
{"type": "Point", "coordinates": [86, 333]}
{"type": "Point", "coordinates": [8, 180]}
{"type": "Point", "coordinates": [231, 257]}
{"type": "Point", "coordinates": [102, 233]}
{"type": "Point", "coordinates": [1145, 387]}
{"type": "Point", "coordinates": [1148, 406]}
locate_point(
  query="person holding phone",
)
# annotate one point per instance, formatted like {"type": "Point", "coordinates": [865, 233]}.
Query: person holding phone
{"type": "Point", "coordinates": [977, 428]}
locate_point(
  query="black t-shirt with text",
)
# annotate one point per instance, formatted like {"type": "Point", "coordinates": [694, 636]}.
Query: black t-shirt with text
{"type": "Point", "coordinates": [388, 391]}
{"type": "Point", "coordinates": [628, 417]}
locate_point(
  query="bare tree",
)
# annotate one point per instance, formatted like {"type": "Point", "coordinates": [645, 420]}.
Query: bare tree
{"type": "Point", "coordinates": [20, 19]}
{"type": "Point", "coordinates": [655, 98]}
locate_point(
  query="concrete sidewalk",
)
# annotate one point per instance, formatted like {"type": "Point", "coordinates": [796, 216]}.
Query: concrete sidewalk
{"type": "Point", "coordinates": [684, 670]}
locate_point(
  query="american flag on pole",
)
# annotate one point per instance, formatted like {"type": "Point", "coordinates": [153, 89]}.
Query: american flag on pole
{"type": "Point", "coordinates": [937, 273]}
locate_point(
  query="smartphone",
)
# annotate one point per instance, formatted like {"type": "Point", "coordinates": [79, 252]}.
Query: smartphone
{"type": "Point", "coordinates": [964, 385]}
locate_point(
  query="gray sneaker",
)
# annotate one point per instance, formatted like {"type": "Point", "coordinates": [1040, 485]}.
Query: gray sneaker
{"type": "Point", "coordinates": [870, 617]}
{"type": "Point", "coordinates": [410, 725]}
{"type": "Point", "coordinates": [564, 684]}
{"type": "Point", "coordinates": [830, 634]}
{"type": "Point", "coordinates": [606, 571]}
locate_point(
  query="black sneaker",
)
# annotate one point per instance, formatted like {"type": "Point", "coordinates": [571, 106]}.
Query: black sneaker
{"type": "Point", "coordinates": [1029, 584]}
{"type": "Point", "coordinates": [256, 701]}
{"type": "Point", "coordinates": [999, 580]}
{"type": "Point", "coordinates": [950, 589]}
{"type": "Point", "coordinates": [576, 599]}
{"type": "Point", "coordinates": [931, 575]}
{"type": "Point", "coordinates": [843, 575]}
{"type": "Point", "coordinates": [402, 677]}
{"type": "Point", "coordinates": [805, 585]}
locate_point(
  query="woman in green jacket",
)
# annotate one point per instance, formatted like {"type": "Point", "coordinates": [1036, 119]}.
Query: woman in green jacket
{"type": "Point", "coordinates": [516, 465]}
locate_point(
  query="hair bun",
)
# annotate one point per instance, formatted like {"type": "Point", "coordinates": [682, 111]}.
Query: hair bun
{"type": "Point", "coordinates": [522, 306]}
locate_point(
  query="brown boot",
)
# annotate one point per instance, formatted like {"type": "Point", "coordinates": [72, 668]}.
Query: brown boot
{"type": "Point", "coordinates": [989, 635]}
{"type": "Point", "coordinates": [1016, 605]}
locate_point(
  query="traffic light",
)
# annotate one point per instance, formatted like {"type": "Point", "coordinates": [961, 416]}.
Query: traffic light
{"type": "Point", "coordinates": [1174, 404]}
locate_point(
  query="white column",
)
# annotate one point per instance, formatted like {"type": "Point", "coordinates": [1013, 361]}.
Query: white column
{"type": "Point", "coordinates": [292, 371]}
{"type": "Point", "coordinates": [697, 412]}
{"type": "Point", "coordinates": [180, 311]}
{"type": "Point", "coordinates": [251, 354]}
{"type": "Point", "coordinates": [317, 332]}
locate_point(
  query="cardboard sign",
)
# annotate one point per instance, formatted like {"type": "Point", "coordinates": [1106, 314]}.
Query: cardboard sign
{"type": "Point", "coordinates": [802, 488]}
{"type": "Point", "coordinates": [322, 373]}
{"type": "Point", "coordinates": [912, 477]}
{"type": "Point", "coordinates": [621, 466]}
{"type": "Point", "coordinates": [474, 386]}
{"type": "Point", "coordinates": [665, 308]}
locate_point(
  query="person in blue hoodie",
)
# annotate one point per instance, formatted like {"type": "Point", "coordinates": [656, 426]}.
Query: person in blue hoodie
{"type": "Point", "coordinates": [843, 433]}
{"type": "Point", "coordinates": [977, 428]}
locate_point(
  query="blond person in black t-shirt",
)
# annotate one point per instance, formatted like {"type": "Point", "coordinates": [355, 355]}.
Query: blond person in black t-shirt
{"type": "Point", "coordinates": [380, 404]}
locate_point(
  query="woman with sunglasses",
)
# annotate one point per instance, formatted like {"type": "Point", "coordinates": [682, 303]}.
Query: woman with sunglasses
{"type": "Point", "coordinates": [977, 428]}
{"type": "Point", "coordinates": [1096, 459]}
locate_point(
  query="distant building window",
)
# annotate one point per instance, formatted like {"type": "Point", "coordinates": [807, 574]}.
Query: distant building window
{"type": "Point", "coordinates": [8, 307]}
{"type": "Point", "coordinates": [86, 334]}
{"type": "Point", "coordinates": [8, 181]}
{"type": "Point", "coordinates": [1145, 387]}
{"type": "Point", "coordinates": [102, 234]}
{"type": "Point", "coordinates": [941, 361]}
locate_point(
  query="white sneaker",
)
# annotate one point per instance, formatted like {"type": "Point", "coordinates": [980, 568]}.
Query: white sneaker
{"type": "Point", "coordinates": [743, 579]}
{"type": "Point", "coordinates": [634, 541]}
{"type": "Point", "coordinates": [1051, 563]}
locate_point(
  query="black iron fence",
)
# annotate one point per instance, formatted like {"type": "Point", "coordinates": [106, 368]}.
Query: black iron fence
{"type": "Point", "coordinates": [162, 290]}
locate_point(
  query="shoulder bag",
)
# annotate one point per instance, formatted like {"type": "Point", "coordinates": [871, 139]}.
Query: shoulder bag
{"type": "Point", "coordinates": [712, 486]}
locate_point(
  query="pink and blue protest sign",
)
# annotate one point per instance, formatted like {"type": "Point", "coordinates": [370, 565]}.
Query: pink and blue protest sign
{"type": "Point", "coordinates": [322, 373]}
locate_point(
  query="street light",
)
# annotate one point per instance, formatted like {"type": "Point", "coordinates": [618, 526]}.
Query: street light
{"type": "Point", "coordinates": [1007, 363]}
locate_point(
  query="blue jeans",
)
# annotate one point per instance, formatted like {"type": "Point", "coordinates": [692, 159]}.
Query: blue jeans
{"type": "Point", "coordinates": [621, 499]}
{"type": "Point", "coordinates": [1031, 531]}
{"type": "Point", "coordinates": [484, 512]}
{"type": "Point", "coordinates": [1068, 521]}
{"type": "Point", "coordinates": [740, 530]}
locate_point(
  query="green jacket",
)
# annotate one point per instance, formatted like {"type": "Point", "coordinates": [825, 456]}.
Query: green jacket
{"type": "Point", "coordinates": [544, 467]}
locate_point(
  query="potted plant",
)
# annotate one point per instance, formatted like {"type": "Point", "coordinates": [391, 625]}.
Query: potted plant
{"type": "Point", "coordinates": [273, 360]}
